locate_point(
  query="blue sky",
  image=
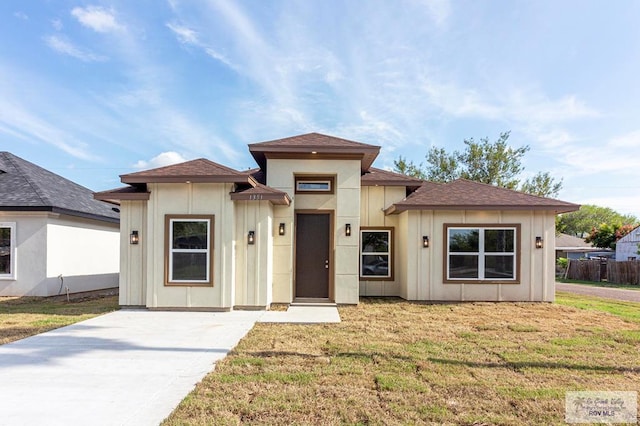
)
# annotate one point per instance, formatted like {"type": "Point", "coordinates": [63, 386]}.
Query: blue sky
{"type": "Point", "coordinates": [92, 90]}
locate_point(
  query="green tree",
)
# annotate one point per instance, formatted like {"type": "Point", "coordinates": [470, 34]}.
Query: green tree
{"type": "Point", "coordinates": [606, 235]}
{"type": "Point", "coordinates": [494, 163]}
{"type": "Point", "coordinates": [583, 221]}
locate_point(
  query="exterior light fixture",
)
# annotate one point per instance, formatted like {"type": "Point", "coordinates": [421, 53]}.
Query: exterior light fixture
{"type": "Point", "coordinates": [251, 238]}
{"type": "Point", "coordinates": [347, 230]}
{"type": "Point", "coordinates": [281, 229]}
{"type": "Point", "coordinates": [539, 242]}
{"type": "Point", "coordinates": [425, 241]}
{"type": "Point", "coordinates": [134, 238]}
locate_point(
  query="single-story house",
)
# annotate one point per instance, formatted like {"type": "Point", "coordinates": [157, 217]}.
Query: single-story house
{"type": "Point", "coordinates": [571, 247]}
{"type": "Point", "coordinates": [317, 222]}
{"type": "Point", "coordinates": [54, 236]}
{"type": "Point", "coordinates": [628, 246]}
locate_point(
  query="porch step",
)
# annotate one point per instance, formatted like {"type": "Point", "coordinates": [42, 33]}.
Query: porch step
{"type": "Point", "coordinates": [308, 301]}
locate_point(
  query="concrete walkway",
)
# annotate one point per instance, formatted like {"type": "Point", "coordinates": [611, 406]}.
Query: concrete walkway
{"type": "Point", "coordinates": [609, 293]}
{"type": "Point", "coordinates": [127, 367]}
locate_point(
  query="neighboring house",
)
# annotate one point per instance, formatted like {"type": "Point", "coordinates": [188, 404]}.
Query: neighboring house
{"type": "Point", "coordinates": [627, 246]}
{"type": "Point", "coordinates": [571, 247]}
{"type": "Point", "coordinates": [316, 222]}
{"type": "Point", "coordinates": [54, 235]}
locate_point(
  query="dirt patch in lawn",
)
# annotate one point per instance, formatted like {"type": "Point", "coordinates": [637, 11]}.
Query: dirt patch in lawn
{"type": "Point", "coordinates": [22, 317]}
{"type": "Point", "coordinates": [397, 362]}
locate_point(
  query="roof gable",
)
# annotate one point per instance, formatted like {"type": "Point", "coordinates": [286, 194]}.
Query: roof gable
{"type": "Point", "coordinates": [314, 146]}
{"type": "Point", "coordinates": [200, 170]}
{"type": "Point", "coordinates": [25, 186]}
{"type": "Point", "coordinates": [462, 194]}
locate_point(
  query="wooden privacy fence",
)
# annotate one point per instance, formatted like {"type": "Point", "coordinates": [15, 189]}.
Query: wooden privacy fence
{"type": "Point", "coordinates": [627, 272]}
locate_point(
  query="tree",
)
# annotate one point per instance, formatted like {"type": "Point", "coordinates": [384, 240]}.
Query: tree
{"type": "Point", "coordinates": [494, 163]}
{"type": "Point", "coordinates": [583, 221]}
{"type": "Point", "coordinates": [606, 235]}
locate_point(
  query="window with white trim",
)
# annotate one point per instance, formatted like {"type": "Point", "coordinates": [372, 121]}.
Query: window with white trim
{"type": "Point", "coordinates": [482, 253]}
{"type": "Point", "coordinates": [8, 250]}
{"type": "Point", "coordinates": [189, 248]}
{"type": "Point", "coordinates": [376, 253]}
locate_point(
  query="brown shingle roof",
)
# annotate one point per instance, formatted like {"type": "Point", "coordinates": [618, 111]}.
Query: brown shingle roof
{"type": "Point", "coordinates": [126, 193]}
{"type": "Point", "coordinates": [314, 146]}
{"type": "Point", "coordinates": [200, 170]}
{"type": "Point", "coordinates": [375, 177]}
{"type": "Point", "coordinates": [469, 195]}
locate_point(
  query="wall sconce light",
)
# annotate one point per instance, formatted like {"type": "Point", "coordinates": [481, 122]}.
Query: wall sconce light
{"type": "Point", "coordinates": [347, 230]}
{"type": "Point", "coordinates": [281, 229]}
{"type": "Point", "coordinates": [134, 238]}
{"type": "Point", "coordinates": [425, 241]}
{"type": "Point", "coordinates": [538, 242]}
{"type": "Point", "coordinates": [251, 238]}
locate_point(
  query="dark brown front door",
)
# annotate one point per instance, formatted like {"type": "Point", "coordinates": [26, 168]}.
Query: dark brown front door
{"type": "Point", "coordinates": [312, 255]}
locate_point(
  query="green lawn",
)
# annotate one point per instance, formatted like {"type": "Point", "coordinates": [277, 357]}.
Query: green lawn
{"type": "Point", "coordinates": [22, 317]}
{"type": "Point", "coordinates": [397, 362]}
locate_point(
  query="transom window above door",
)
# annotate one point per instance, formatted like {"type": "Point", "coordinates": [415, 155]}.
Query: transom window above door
{"type": "Point", "coordinates": [314, 184]}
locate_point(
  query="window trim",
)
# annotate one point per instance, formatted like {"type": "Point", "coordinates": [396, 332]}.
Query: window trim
{"type": "Point", "coordinates": [517, 255]}
{"type": "Point", "coordinates": [168, 251]}
{"type": "Point", "coordinates": [390, 253]}
{"type": "Point", "coordinates": [12, 276]}
{"type": "Point", "coordinates": [331, 180]}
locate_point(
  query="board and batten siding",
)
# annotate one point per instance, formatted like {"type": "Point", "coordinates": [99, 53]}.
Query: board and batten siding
{"type": "Point", "coordinates": [374, 199]}
{"type": "Point", "coordinates": [133, 261]}
{"type": "Point", "coordinates": [423, 274]}
{"type": "Point", "coordinates": [190, 199]}
{"type": "Point", "coordinates": [254, 263]}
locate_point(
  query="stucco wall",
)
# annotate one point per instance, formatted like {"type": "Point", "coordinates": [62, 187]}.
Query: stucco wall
{"type": "Point", "coordinates": [197, 199]}
{"type": "Point", "coordinates": [424, 267]}
{"type": "Point", "coordinates": [84, 251]}
{"type": "Point", "coordinates": [374, 199]}
{"type": "Point", "coordinates": [345, 203]}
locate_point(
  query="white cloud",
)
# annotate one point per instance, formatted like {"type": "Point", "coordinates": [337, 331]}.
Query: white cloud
{"type": "Point", "coordinates": [64, 46]}
{"type": "Point", "coordinates": [57, 24]}
{"type": "Point", "coordinates": [21, 15]}
{"type": "Point", "coordinates": [97, 18]}
{"type": "Point", "coordinates": [161, 160]}
{"type": "Point", "coordinates": [184, 34]}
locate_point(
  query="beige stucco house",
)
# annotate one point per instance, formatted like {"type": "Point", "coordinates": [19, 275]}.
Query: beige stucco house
{"type": "Point", "coordinates": [316, 222]}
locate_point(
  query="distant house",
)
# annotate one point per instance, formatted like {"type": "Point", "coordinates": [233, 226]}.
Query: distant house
{"type": "Point", "coordinates": [54, 235]}
{"type": "Point", "coordinates": [317, 222]}
{"type": "Point", "coordinates": [571, 247]}
{"type": "Point", "coordinates": [627, 246]}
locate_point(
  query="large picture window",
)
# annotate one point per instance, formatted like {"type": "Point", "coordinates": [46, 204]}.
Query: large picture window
{"type": "Point", "coordinates": [189, 247]}
{"type": "Point", "coordinates": [376, 253]}
{"type": "Point", "coordinates": [7, 250]}
{"type": "Point", "coordinates": [487, 254]}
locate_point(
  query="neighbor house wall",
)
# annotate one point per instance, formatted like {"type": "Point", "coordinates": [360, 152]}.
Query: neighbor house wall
{"type": "Point", "coordinates": [86, 253]}
{"type": "Point", "coordinates": [254, 262]}
{"type": "Point", "coordinates": [373, 201]}
{"type": "Point", "coordinates": [190, 199]}
{"type": "Point", "coordinates": [48, 245]}
{"type": "Point", "coordinates": [424, 267]}
{"type": "Point", "coordinates": [627, 247]}
{"type": "Point", "coordinates": [345, 203]}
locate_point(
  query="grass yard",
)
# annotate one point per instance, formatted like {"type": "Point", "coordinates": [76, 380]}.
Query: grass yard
{"type": "Point", "coordinates": [22, 317]}
{"type": "Point", "coordinates": [600, 284]}
{"type": "Point", "coordinates": [397, 362]}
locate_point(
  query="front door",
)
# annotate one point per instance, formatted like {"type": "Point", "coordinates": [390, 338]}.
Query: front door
{"type": "Point", "coordinates": [312, 255]}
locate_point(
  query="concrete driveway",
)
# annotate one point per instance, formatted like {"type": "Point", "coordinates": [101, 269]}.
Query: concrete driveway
{"type": "Point", "coordinates": [123, 368]}
{"type": "Point", "coordinates": [609, 293]}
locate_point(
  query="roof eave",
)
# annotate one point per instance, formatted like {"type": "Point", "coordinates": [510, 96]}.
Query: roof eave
{"type": "Point", "coordinates": [185, 179]}
{"type": "Point", "coordinates": [398, 208]}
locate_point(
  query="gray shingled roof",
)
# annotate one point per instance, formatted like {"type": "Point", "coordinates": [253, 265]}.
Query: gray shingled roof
{"type": "Point", "coordinates": [27, 187]}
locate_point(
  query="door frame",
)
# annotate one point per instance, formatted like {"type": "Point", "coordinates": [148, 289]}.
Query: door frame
{"type": "Point", "coordinates": [331, 214]}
